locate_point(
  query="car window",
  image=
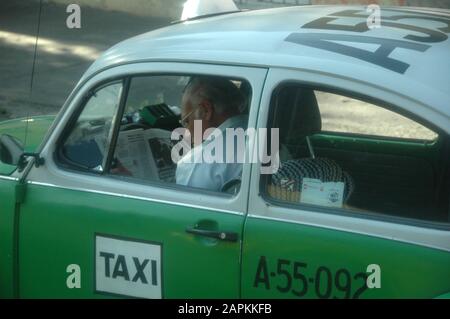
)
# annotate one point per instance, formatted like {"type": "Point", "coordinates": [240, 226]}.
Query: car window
{"type": "Point", "coordinates": [152, 144]}
{"type": "Point", "coordinates": [87, 143]}
{"type": "Point", "coordinates": [363, 172]}
{"type": "Point", "coordinates": [144, 144]}
{"type": "Point", "coordinates": [348, 115]}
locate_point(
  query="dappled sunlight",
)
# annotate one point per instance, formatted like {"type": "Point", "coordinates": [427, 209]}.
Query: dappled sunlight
{"type": "Point", "coordinates": [48, 46]}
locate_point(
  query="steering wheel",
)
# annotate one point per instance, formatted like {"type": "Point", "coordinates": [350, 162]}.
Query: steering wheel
{"type": "Point", "coordinates": [232, 186]}
{"type": "Point", "coordinates": [133, 126]}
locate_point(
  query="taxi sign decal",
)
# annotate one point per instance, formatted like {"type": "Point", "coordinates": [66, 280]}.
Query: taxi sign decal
{"type": "Point", "coordinates": [128, 267]}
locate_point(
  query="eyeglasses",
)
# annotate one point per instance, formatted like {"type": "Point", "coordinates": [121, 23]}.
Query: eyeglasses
{"type": "Point", "coordinates": [184, 121]}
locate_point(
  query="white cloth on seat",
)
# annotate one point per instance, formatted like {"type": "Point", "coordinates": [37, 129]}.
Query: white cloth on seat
{"type": "Point", "coordinates": [323, 169]}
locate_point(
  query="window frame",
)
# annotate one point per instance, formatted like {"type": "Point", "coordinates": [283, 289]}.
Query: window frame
{"type": "Point", "coordinates": [345, 212]}
{"type": "Point", "coordinates": [66, 164]}
{"type": "Point", "coordinates": [53, 174]}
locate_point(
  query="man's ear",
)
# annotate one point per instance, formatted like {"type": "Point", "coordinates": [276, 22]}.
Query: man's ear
{"type": "Point", "coordinates": [207, 110]}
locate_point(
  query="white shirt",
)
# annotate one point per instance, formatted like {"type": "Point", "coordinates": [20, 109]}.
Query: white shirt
{"type": "Point", "coordinates": [192, 170]}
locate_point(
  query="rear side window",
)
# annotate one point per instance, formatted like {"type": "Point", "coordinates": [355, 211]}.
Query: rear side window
{"type": "Point", "coordinates": [343, 153]}
{"type": "Point", "coordinates": [348, 115]}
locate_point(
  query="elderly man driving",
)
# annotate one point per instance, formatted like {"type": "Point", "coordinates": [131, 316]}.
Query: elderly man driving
{"type": "Point", "coordinates": [210, 102]}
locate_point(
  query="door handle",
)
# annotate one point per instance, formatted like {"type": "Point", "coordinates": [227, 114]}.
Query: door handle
{"type": "Point", "coordinates": [225, 236]}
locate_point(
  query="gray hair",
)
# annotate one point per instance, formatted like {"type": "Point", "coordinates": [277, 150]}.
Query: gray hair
{"type": "Point", "coordinates": [221, 92]}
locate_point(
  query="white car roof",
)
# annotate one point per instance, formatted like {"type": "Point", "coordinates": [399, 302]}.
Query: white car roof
{"type": "Point", "coordinates": [281, 38]}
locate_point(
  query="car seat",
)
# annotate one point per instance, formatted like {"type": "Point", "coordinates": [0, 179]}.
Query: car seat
{"type": "Point", "coordinates": [296, 112]}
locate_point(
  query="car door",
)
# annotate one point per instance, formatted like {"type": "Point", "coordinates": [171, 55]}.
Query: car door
{"type": "Point", "coordinates": [89, 234]}
{"type": "Point", "coordinates": [297, 249]}
{"type": "Point", "coordinates": [7, 222]}
{"type": "Point", "coordinates": [30, 132]}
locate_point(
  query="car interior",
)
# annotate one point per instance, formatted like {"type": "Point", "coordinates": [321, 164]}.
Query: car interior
{"type": "Point", "coordinates": [391, 176]}
{"type": "Point", "coordinates": [144, 145]}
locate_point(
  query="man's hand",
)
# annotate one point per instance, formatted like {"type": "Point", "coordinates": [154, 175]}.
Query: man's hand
{"type": "Point", "coordinates": [119, 169]}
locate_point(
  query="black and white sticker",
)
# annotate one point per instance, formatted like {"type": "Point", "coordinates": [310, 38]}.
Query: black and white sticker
{"type": "Point", "coordinates": [128, 267]}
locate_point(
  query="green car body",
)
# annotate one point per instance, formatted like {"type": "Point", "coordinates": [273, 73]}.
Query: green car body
{"type": "Point", "coordinates": [72, 233]}
{"type": "Point", "coordinates": [267, 268]}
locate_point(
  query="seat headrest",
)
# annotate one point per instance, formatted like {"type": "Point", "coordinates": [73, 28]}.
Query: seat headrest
{"type": "Point", "coordinates": [297, 112]}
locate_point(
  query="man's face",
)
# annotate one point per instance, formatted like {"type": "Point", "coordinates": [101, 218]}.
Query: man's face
{"type": "Point", "coordinates": [189, 114]}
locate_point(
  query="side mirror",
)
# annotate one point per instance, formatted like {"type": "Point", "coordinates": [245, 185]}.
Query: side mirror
{"type": "Point", "coordinates": [11, 150]}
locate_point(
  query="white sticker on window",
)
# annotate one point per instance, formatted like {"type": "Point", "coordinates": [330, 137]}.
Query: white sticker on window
{"type": "Point", "coordinates": [314, 191]}
{"type": "Point", "coordinates": [127, 267]}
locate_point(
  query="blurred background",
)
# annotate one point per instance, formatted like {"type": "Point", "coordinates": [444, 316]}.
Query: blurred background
{"type": "Point", "coordinates": [63, 54]}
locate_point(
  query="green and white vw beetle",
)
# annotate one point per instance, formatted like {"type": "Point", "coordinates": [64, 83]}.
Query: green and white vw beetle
{"type": "Point", "coordinates": [371, 102]}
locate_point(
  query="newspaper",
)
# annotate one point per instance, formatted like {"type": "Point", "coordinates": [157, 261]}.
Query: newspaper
{"type": "Point", "coordinates": [146, 154]}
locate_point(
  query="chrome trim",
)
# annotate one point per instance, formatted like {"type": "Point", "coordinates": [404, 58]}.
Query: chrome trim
{"type": "Point", "coordinates": [353, 231]}
{"type": "Point", "coordinates": [134, 197]}
{"type": "Point", "coordinates": [9, 178]}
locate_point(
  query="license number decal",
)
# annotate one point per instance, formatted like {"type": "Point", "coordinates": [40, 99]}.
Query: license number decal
{"type": "Point", "coordinates": [299, 279]}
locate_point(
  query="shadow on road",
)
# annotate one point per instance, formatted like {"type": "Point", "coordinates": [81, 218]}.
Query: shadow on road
{"type": "Point", "coordinates": [62, 56]}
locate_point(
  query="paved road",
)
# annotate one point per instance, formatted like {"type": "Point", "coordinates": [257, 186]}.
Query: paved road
{"type": "Point", "coordinates": [63, 54]}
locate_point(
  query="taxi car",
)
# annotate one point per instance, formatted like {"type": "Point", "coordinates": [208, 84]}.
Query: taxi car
{"type": "Point", "coordinates": [373, 102]}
